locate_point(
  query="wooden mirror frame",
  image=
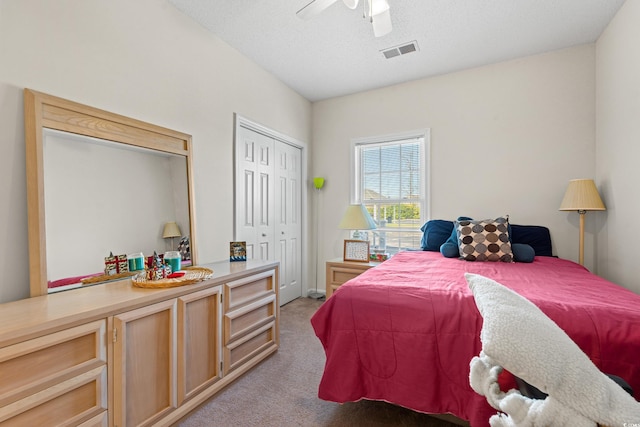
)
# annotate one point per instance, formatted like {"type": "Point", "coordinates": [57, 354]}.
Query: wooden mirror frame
{"type": "Point", "coordinates": [42, 111]}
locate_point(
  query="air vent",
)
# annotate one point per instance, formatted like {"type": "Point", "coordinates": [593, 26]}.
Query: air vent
{"type": "Point", "coordinates": [403, 49]}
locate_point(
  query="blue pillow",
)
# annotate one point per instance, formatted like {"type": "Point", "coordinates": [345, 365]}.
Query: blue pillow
{"type": "Point", "coordinates": [522, 252]}
{"type": "Point", "coordinates": [538, 237]}
{"type": "Point", "coordinates": [450, 250]}
{"type": "Point", "coordinates": [435, 233]}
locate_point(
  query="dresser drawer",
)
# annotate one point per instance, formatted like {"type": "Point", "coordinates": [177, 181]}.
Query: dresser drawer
{"type": "Point", "coordinates": [239, 322]}
{"type": "Point", "coordinates": [100, 420]}
{"type": "Point", "coordinates": [339, 272]}
{"type": "Point", "coordinates": [58, 357]}
{"type": "Point", "coordinates": [256, 343]}
{"type": "Point", "coordinates": [245, 290]}
{"type": "Point", "coordinates": [343, 275]}
{"type": "Point", "coordinates": [71, 402]}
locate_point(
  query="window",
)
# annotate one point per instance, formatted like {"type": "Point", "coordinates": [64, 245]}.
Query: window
{"type": "Point", "coordinates": [390, 180]}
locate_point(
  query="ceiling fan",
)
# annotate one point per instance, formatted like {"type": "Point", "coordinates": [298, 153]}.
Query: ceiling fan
{"type": "Point", "coordinates": [376, 10]}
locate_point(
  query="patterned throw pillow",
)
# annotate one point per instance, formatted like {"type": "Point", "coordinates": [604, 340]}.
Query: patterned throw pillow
{"type": "Point", "coordinates": [486, 240]}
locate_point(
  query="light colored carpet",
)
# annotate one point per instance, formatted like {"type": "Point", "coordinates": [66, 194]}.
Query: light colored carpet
{"type": "Point", "coordinates": [283, 390]}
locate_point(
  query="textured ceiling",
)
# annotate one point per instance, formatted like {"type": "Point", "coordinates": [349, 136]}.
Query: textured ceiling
{"type": "Point", "coordinates": [335, 52]}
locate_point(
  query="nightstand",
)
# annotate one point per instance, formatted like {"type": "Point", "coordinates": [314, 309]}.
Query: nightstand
{"type": "Point", "coordinates": [339, 271]}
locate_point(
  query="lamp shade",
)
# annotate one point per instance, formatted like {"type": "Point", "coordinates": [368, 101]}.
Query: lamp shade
{"type": "Point", "coordinates": [171, 229]}
{"type": "Point", "coordinates": [582, 195]}
{"type": "Point", "coordinates": [357, 218]}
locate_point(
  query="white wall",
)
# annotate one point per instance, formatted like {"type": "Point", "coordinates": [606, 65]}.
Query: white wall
{"type": "Point", "coordinates": [143, 59]}
{"type": "Point", "coordinates": [618, 144]}
{"type": "Point", "coordinates": [505, 139]}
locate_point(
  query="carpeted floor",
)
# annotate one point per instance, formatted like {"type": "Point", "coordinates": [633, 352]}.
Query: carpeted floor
{"type": "Point", "coordinates": [283, 390]}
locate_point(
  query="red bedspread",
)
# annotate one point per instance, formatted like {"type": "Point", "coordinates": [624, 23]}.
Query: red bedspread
{"type": "Point", "coordinates": [405, 331]}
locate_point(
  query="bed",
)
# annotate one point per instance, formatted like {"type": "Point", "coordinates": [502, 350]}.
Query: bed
{"type": "Point", "coordinates": [405, 331]}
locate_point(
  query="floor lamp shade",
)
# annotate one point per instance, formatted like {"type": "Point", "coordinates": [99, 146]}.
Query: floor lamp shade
{"type": "Point", "coordinates": [318, 182]}
{"type": "Point", "coordinates": [582, 196]}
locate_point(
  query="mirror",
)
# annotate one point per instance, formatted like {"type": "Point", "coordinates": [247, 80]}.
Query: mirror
{"type": "Point", "coordinates": [98, 182]}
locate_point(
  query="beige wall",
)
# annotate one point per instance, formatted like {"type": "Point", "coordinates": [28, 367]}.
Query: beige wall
{"type": "Point", "coordinates": [505, 139]}
{"type": "Point", "coordinates": [618, 144]}
{"type": "Point", "coordinates": [533, 120]}
{"type": "Point", "coordinates": [142, 59]}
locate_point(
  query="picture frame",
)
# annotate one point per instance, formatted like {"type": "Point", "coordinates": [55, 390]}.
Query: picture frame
{"type": "Point", "coordinates": [356, 250]}
{"type": "Point", "coordinates": [237, 251]}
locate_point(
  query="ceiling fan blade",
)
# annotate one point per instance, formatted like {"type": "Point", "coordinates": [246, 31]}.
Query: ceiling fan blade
{"type": "Point", "coordinates": [380, 17]}
{"type": "Point", "coordinates": [351, 4]}
{"type": "Point", "coordinates": [381, 23]}
{"type": "Point", "coordinates": [314, 8]}
{"type": "Point", "coordinates": [377, 7]}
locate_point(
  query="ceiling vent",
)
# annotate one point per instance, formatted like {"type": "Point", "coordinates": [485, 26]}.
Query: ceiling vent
{"type": "Point", "coordinates": [392, 52]}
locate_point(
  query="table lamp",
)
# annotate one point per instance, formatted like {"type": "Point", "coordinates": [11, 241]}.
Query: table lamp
{"type": "Point", "coordinates": [171, 230]}
{"type": "Point", "coordinates": [582, 196]}
{"type": "Point", "coordinates": [357, 218]}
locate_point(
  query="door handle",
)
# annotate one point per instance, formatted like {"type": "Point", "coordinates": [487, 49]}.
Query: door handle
{"type": "Point", "coordinates": [264, 234]}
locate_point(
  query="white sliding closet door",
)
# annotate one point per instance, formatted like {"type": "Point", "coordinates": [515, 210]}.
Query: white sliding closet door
{"type": "Point", "coordinates": [287, 220]}
{"type": "Point", "coordinates": [254, 208]}
{"type": "Point", "coordinates": [268, 205]}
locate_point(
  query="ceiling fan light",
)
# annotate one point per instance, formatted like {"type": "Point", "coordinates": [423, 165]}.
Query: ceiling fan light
{"type": "Point", "coordinates": [381, 23]}
{"type": "Point", "coordinates": [314, 8]}
{"type": "Point", "coordinates": [351, 4]}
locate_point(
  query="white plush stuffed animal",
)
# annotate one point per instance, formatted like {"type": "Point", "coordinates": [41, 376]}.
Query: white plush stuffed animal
{"type": "Point", "coordinates": [517, 336]}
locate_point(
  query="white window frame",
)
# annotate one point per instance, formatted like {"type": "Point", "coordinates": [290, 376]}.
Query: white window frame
{"type": "Point", "coordinates": [425, 166]}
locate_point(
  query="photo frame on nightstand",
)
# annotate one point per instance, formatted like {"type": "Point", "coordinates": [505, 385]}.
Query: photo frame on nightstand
{"type": "Point", "coordinates": [356, 250]}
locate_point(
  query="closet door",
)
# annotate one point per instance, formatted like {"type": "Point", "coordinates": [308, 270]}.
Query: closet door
{"type": "Point", "coordinates": [268, 204]}
{"type": "Point", "coordinates": [254, 193]}
{"type": "Point", "coordinates": [288, 229]}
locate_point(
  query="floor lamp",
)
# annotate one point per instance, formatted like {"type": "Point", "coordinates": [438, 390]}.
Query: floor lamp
{"type": "Point", "coordinates": [582, 196]}
{"type": "Point", "coordinates": [318, 183]}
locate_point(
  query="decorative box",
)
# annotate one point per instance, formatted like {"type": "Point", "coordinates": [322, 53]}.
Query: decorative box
{"type": "Point", "coordinates": [155, 260]}
{"type": "Point", "coordinates": [115, 264]}
{"type": "Point", "coordinates": [379, 257]}
{"type": "Point", "coordinates": [123, 263]}
{"type": "Point", "coordinates": [156, 270]}
{"type": "Point", "coordinates": [157, 273]}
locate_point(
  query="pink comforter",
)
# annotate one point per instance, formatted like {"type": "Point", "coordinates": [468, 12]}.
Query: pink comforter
{"type": "Point", "coordinates": [405, 331]}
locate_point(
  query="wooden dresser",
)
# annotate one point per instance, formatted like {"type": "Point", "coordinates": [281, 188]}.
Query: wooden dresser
{"type": "Point", "coordinates": [117, 355]}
